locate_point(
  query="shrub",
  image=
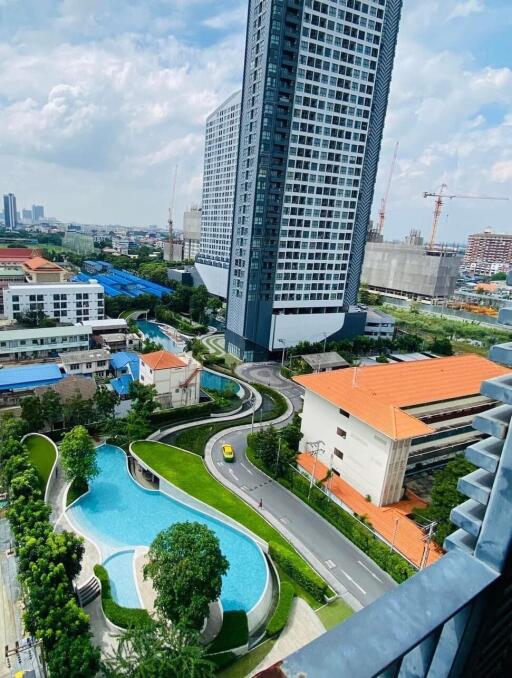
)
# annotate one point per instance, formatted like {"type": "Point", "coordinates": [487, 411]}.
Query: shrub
{"type": "Point", "coordinates": [234, 632]}
{"type": "Point", "coordinates": [118, 615]}
{"type": "Point", "coordinates": [182, 414]}
{"type": "Point", "coordinates": [294, 567]}
{"type": "Point", "coordinates": [278, 620]}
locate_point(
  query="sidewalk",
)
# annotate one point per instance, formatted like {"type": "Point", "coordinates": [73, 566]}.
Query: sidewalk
{"type": "Point", "coordinates": [391, 522]}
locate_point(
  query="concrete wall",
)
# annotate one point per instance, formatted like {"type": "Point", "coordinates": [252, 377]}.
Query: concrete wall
{"type": "Point", "coordinates": [168, 384]}
{"type": "Point", "coordinates": [409, 270]}
{"type": "Point", "coordinates": [372, 463]}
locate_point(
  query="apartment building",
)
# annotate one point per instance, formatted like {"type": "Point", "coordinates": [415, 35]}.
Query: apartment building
{"type": "Point", "coordinates": [177, 378]}
{"type": "Point", "coordinates": [65, 302]}
{"type": "Point", "coordinates": [38, 343]}
{"type": "Point", "coordinates": [94, 363]}
{"type": "Point", "coordinates": [373, 423]}
{"type": "Point", "coordinates": [488, 253]}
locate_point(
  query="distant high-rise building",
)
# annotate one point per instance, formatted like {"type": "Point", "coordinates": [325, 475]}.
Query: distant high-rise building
{"type": "Point", "coordinates": [10, 211]}
{"type": "Point", "coordinates": [37, 212]}
{"type": "Point", "coordinates": [26, 215]}
{"type": "Point", "coordinates": [220, 158]}
{"type": "Point", "coordinates": [316, 83]}
{"type": "Point", "coordinates": [191, 232]}
{"type": "Point", "coordinates": [488, 253]}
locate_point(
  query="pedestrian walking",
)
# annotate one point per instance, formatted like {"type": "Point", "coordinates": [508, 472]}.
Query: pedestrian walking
{"type": "Point", "coordinates": [261, 504]}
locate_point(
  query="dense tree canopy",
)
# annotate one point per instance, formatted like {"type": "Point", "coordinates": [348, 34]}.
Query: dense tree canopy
{"type": "Point", "coordinates": [78, 455]}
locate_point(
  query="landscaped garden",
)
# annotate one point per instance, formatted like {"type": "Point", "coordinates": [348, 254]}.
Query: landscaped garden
{"type": "Point", "coordinates": [42, 455]}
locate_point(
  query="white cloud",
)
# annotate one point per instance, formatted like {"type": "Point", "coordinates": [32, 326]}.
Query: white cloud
{"type": "Point", "coordinates": [502, 171]}
{"type": "Point", "coordinates": [466, 8]}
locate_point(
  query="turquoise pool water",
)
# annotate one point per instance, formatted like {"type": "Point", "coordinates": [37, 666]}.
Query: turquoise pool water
{"type": "Point", "coordinates": [119, 515]}
{"type": "Point", "coordinates": [153, 332]}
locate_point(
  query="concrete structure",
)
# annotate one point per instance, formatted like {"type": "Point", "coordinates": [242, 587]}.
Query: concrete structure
{"type": "Point", "coordinates": [374, 422]}
{"type": "Point", "coordinates": [454, 616]}
{"type": "Point", "coordinates": [118, 341]}
{"type": "Point", "coordinates": [409, 272]}
{"type": "Point", "coordinates": [379, 324]}
{"type": "Point", "coordinates": [314, 100]}
{"type": "Point", "coordinates": [175, 377]}
{"type": "Point", "coordinates": [117, 325]}
{"type": "Point", "coordinates": [65, 302]}
{"type": "Point", "coordinates": [325, 362]}
{"type": "Point", "coordinates": [38, 343]}
{"type": "Point", "coordinates": [488, 253]}
{"type": "Point", "coordinates": [9, 273]}
{"type": "Point", "coordinates": [37, 212]}
{"type": "Point", "coordinates": [10, 214]}
{"type": "Point", "coordinates": [93, 363]}
{"type": "Point", "coordinates": [26, 215]}
{"type": "Point", "coordinates": [220, 159]}
{"type": "Point", "coordinates": [78, 242]}
{"type": "Point", "coordinates": [191, 232]}
{"type": "Point", "coordinates": [40, 270]}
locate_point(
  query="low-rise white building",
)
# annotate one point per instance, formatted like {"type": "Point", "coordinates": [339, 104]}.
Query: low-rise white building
{"type": "Point", "coordinates": [372, 423]}
{"type": "Point", "coordinates": [64, 302]}
{"type": "Point", "coordinates": [379, 325]}
{"type": "Point", "coordinates": [177, 378]}
{"type": "Point", "coordinates": [94, 363]}
{"type": "Point", "coordinates": [42, 342]}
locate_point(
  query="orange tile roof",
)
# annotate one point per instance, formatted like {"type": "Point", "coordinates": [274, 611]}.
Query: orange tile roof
{"type": "Point", "coordinates": [377, 394]}
{"type": "Point", "coordinates": [38, 263]}
{"type": "Point", "coordinates": [17, 253]}
{"type": "Point", "coordinates": [162, 360]}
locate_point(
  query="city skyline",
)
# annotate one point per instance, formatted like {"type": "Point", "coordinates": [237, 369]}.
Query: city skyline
{"type": "Point", "coordinates": [94, 121]}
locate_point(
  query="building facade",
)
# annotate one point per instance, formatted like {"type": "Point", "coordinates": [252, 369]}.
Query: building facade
{"type": "Point", "coordinates": [65, 302]}
{"type": "Point", "coordinates": [220, 159]}
{"type": "Point", "coordinates": [488, 253]}
{"type": "Point", "coordinates": [379, 325]}
{"type": "Point", "coordinates": [177, 379]}
{"type": "Point", "coordinates": [42, 342]}
{"type": "Point", "coordinates": [40, 270]}
{"type": "Point", "coordinates": [10, 217]}
{"type": "Point", "coordinates": [37, 212]}
{"type": "Point", "coordinates": [374, 423]}
{"type": "Point", "coordinates": [316, 84]}
{"type": "Point", "coordinates": [94, 363]}
{"type": "Point", "coordinates": [410, 272]}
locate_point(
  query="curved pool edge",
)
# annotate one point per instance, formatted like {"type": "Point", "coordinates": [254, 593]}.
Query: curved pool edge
{"type": "Point", "coordinates": [261, 608]}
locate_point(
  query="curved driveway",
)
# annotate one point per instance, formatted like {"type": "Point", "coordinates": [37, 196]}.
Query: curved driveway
{"type": "Point", "coordinates": [347, 566]}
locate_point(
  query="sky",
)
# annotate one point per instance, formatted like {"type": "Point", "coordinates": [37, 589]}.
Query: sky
{"type": "Point", "coordinates": [100, 100]}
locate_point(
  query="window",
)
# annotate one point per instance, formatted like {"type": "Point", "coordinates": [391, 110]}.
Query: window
{"type": "Point", "coordinates": [88, 366]}
{"type": "Point", "coordinates": [344, 413]}
{"type": "Point", "coordinates": [341, 432]}
{"type": "Point", "coordinates": [338, 453]}
{"type": "Point", "coordinates": [74, 366]}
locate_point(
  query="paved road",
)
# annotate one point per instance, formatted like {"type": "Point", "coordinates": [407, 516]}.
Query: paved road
{"type": "Point", "coordinates": [350, 567]}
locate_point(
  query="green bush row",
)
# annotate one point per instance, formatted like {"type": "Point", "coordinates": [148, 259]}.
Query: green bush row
{"type": "Point", "coordinates": [182, 414]}
{"type": "Point", "coordinates": [234, 632]}
{"type": "Point", "coordinates": [124, 617]}
{"type": "Point", "coordinates": [278, 620]}
{"type": "Point", "coordinates": [294, 567]}
{"type": "Point", "coordinates": [377, 550]}
{"type": "Point", "coordinates": [279, 401]}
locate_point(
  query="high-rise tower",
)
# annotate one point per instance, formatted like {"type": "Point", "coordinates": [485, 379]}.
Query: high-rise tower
{"type": "Point", "coordinates": [220, 158]}
{"type": "Point", "coordinates": [314, 99]}
{"type": "Point", "coordinates": [10, 211]}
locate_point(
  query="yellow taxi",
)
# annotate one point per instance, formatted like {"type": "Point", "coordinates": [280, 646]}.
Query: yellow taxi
{"type": "Point", "coordinates": [227, 452]}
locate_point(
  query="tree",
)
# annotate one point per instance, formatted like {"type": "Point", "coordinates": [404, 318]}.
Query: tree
{"type": "Point", "coordinates": [77, 411]}
{"type": "Point", "coordinates": [198, 303]}
{"type": "Point", "coordinates": [157, 649]}
{"type": "Point", "coordinates": [78, 455]}
{"type": "Point", "coordinates": [52, 407]}
{"type": "Point", "coordinates": [74, 656]}
{"type": "Point", "coordinates": [12, 428]}
{"type": "Point", "coordinates": [68, 549]}
{"type": "Point", "coordinates": [32, 412]}
{"type": "Point", "coordinates": [214, 303]}
{"type": "Point", "coordinates": [180, 299]}
{"type": "Point", "coordinates": [291, 434]}
{"type": "Point", "coordinates": [144, 398]}
{"type": "Point", "coordinates": [105, 401]}
{"type": "Point", "coordinates": [445, 496]}
{"type": "Point", "coordinates": [186, 566]}
{"type": "Point", "coordinates": [442, 346]}
{"type": "Point", "coordinates": [499, 276]}
{"type": "Point", "coordinates": [150, 346]}
{"type": "Point", "coordinates": [265, 444]}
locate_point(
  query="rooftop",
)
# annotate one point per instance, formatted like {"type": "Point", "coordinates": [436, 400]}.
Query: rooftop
{"type": "Point", "coordinates": [43, 332]}
{"type": "Point", "coordinates": [322, 361]}
{"type": "Point", "coordinates": [106, 322]}
{"type": "Point", "coordinates": [41, 264]}
{"type": "Point", "coordinates": [29, 376]}
{"type": "Point", "coordinates": [62, 287]}
{"type": "Point", "coordinates": [378, 395]}
{"type": "Point", "coordinates": [18, 253]}
{"type": "Point", "coordinates": [85, 356]}
{"type": "Point", "coordinates": [69, 387]}
{"type": "Point", "coordinates": [162, 360]}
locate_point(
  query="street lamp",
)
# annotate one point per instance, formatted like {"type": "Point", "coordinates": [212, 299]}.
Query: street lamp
{"type": "Point", "coordinates": [281, 341]}
{"type": "Point", "coordinates": [278, 453]}
{"type": "Point", "coordinates": [253, 403]}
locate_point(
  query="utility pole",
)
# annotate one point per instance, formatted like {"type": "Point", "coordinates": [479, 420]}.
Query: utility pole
{"type": "Point", "coordinates": [278, 453]}
{"type": "Point", "coordinates": [427, 539]}
{"type": "Point", "coordinates": [253, 403]}
{"type": "Point", "coordinates": [315, 449]}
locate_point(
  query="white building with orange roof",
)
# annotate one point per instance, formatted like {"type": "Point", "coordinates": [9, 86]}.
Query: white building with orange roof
{"type": "Point", "coordinates": [372, 423]}
{"type": "Point", "coordinates": [177, 378]}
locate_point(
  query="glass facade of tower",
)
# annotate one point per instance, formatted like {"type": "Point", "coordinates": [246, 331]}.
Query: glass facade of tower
{"type": "Point", "coordinates": [220, 158]}
{"type": "Point", "coordinates": [10, 211]}
{"type": "Point", "coordinates": [316, 84]}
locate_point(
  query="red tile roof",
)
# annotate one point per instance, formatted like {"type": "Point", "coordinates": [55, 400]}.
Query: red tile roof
{"type": "Point", "coordinates": [41, 264]}
{"type": "Point", "coordinates": [18, 253]}
{"type": "Point", "coordinates": [162, 360]}
{"type": "Point", "coordinates": [377, 394]}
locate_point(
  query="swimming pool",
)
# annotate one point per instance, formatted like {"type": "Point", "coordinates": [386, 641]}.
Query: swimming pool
{"type": "Point", "coordinates": [152, 331]}
{"type": "Point", "coordinates": [120, 515]}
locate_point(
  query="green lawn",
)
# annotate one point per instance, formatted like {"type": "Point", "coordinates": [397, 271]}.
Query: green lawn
{"type": "Point", "coordinates": [42, 455]}
{"type": "Point", "coordinates": [333, 614]}
{"type": "Point", "coordinates": [243, 666]}
{"type": "Point", "coordinates": [188, 472]}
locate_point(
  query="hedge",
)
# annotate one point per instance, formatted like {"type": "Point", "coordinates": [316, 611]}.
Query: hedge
{"type": "Point", "coordinates": [377, 550]}
{"type": "Point", "coordinates": [124, 617]}
{"type": "Point", "coordinates": [278, 620]}
{"type": "Point", "coordinates": [293, 566]}
{"type": "Point", "coordinates": [234, 632]}
{"type": "Point", "coordinates": [182, 414]}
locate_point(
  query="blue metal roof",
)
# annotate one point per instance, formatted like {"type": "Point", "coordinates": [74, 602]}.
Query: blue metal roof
{"type": "Point", "coordinates": [122, 358]}
{"type": "Point", "coordinates": [30, 376]}
{"type": "Point", "coordinates": [121, 385]}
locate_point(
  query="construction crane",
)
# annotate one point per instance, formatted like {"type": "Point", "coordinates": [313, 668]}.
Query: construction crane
{"type": "Point", "coordinates": [384, 201]}
{"type": "Point", "coordinates": [171, 211]}
{"type": "Point", "coordinates": [438, 206]}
